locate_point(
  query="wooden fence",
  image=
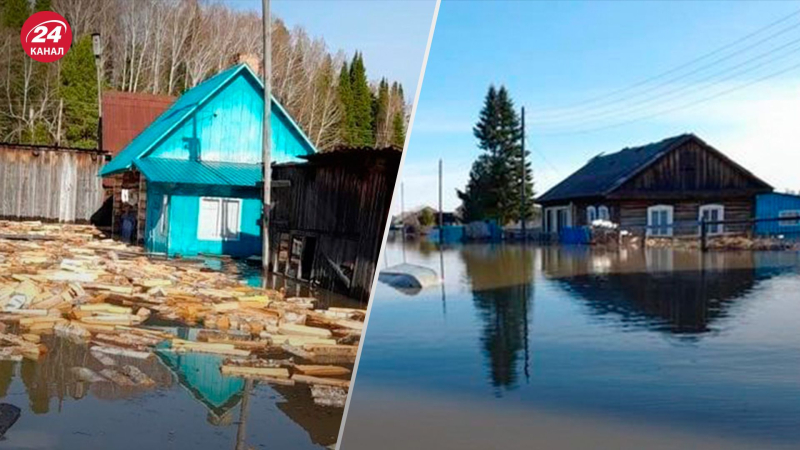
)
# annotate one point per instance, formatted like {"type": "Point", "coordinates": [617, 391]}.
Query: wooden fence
{"type": "Point", "coordinates": [50, 183]}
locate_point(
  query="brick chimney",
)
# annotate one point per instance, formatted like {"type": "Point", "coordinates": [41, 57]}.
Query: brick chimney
{"type": "Point", "coordinates": [250, 59]}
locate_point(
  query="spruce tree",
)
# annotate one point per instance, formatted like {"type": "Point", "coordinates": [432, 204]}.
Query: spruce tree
{"type": "Point", "coordinates": [78, 89]}
{"type": "Point", "coordinates": [493, 190]}
{"type": "Point", "coordinates": [382, 114]}
{"type": "Point", "coordinates": [361, 104]}
{"type": "Point", "coordinates": [15, 13]}
{"type": "Point", "coordinates": [398, 130]}
{"type": "Point", "coordinates": [43, 5]}
{"type": "Point", "coordinates": [346, 100]}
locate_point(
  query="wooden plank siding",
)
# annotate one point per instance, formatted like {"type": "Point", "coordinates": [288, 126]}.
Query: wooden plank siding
{"type": "Point", "coordinates": [343, 205]}
{"type": "Point", "coordinates": [49, 183]}
{"type": "Point", "coordinates": [692, 170]}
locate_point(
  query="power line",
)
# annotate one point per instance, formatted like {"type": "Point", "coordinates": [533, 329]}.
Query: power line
{"type": "Point", "coordinates": [684, 106]}
{"type": "Point", "coordinates": [608, 107]}
{"type": "Point", "coordinates": [593, 100]}
{"type": "Point", "coordinates": [704, 84]}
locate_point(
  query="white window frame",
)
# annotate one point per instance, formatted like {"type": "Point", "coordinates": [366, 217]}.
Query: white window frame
{"type": "Point", "coordinates": [652, 229]}
{"type": "Point", "coordinates": [591, 214]}
{"type": "Point", "coordinates": [603, 213]}
{"type": "Point", "coordinates": [221, 233]}
{"type": "Point", "coordinates": [555, 210]}
{"type": "Point", "coordinates": [794, 222]}
{"type": "Point", "coordinates": [718, 229]}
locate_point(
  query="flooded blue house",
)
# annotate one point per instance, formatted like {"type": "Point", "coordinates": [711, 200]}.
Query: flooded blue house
{"type": "Point", "coordinates": [778, 206]}
{"type": "Point", "coordinates": [188, 184]}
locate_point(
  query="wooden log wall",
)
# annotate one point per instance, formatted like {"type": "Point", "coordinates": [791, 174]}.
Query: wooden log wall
{"type": "Point", "coordinates": [342, 201]}
{"type": "Point", "coordinates": [49, 183]}
{"type": "Point", "coordinates": [633, 214]}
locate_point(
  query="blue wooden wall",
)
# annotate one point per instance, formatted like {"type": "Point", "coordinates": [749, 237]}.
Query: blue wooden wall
{"type": "Point", "coordinates": [228, 128]}
{"type": "Point", "coordinates": [184, 211]}
{"type": "Point", "coordinates": [770, 206]}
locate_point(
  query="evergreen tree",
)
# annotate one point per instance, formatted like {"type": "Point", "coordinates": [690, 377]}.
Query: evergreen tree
{"type": "Point", "coordinates": [493, 190]}
{"type": "Point", "coordinates": [346, 99]}
{"type": "Point", "coordinates": [78, 89]}
{"type": "Point", "coordinates": [382, 114]}
{"type": "Point", "coordinates": [398, 105]}
{"type": "Point", "coordinates": [43, 5]}
{"type": "Point", "coordinates": [362, 133]}
{"type": "Point", "coordinates": [15, 13]}
{"type": "Point", "coordinates": [398, 130]}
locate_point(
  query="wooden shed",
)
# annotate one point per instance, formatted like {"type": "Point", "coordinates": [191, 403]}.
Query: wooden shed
{"type": "Point", "coordinates": [328, 217]}
{"type": "Point", "coordinates": [662, 189]}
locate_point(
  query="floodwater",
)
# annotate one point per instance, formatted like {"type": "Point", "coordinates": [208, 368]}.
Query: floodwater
{"type": "Point", "coordinates": [572, 347]}
{"type": "Point", "coordinates": [191, 406]}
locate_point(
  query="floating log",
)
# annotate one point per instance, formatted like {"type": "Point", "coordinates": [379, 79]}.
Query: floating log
{"type": "Point", "coordinates": [121, 352]}
{"type": "Point", "coordinates": [319, 380]}
{"type": "Point", "coordinates": [322, 370]}
{"type": "Point", "coordinates": [303, 330]}
{"type": "Point", "coordinates": [255, 372]}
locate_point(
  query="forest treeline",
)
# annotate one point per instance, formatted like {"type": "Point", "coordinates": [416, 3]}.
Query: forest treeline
{"type": "Point", "coordinates": [169, 46]}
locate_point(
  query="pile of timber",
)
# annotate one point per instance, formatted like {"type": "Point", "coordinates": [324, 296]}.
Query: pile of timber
{"type": "Point", "coordinates": [724, 242]}
{"type": "Point", "coordinates": [70, 281]}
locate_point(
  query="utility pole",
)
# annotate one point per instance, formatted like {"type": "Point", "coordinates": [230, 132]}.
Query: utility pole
{"type": "Point", "coordinates": [266, 147]}
{"type": "Point", "coordinates": [523, 194]}
{"type": "Point", "coordinates": [441, 213]}
{"type": "Point", "coordinates": [403, 218]}
{"type": "Point", "coordinates": [98, 52]}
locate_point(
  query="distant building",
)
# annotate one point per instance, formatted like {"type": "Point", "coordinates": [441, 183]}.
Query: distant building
{"type": "Point", "coordinates": [778, 206]}
{"type": "Point", "coordinates": [661, 189]}
{"type": "Point", "coordinates": [195, 169]}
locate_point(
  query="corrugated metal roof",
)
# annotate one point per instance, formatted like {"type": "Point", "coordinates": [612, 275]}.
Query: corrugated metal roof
{"type": "Point", "coordinates": [127, 114]}
{"type": "Point", "coordinates": [183, 107]}
{"type": "Point", "coordinates": [163, 170]}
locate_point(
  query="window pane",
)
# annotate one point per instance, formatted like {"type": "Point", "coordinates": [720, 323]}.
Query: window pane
{"type": "Point", "coordinates": [208, 221]}
{"type": "Point", "coordinates": [231, 223]}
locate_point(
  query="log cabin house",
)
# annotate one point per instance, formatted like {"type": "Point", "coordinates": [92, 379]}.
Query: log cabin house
{"type": "Point", "coordinates": [660, 189]}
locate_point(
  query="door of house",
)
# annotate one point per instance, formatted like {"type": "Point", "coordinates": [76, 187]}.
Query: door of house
{"type": "Point", "coordinates": [159, 233]}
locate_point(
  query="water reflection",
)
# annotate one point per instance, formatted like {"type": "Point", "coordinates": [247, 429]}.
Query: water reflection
{"type": "Point", "coordinates": [680, 293]}
{"type": "Point", "coordinates": [658, 289]}
{"type": "Point", "coordinates": [52, 381]}
{"type": "Point", "coordinates": [501, 281]}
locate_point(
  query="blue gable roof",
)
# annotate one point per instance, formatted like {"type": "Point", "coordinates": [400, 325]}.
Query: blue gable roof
{"type": "Point", "coordinates": [218, 120]}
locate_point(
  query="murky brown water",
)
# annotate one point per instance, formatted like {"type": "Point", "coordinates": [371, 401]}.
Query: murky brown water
{"type": "Point", "coordinates": [560, 347]}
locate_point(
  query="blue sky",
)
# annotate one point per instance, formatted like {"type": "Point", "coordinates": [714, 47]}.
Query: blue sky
{"type": "Point", "coordinates": [392, 34]}
{"type": "Point", "coordinates": [555, 55]}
